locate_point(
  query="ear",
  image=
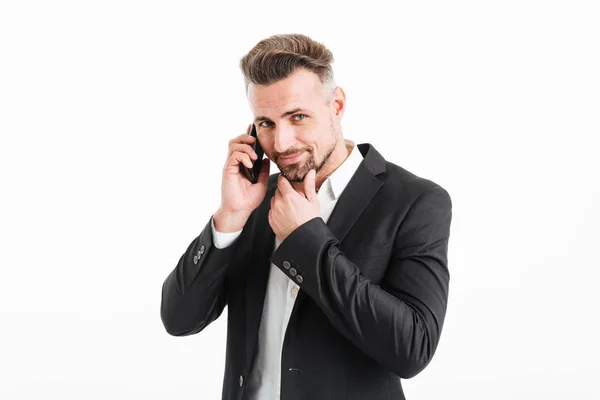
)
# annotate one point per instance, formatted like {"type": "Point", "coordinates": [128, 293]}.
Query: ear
{"type": "Point", "coordinates": [338, 103]}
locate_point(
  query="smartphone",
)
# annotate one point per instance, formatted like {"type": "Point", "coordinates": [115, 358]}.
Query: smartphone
{"type": "Point", "coordinates": [252, 173]}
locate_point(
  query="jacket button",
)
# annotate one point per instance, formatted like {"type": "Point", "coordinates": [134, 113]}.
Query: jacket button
{"type": "Point", "coordinates": [195, 259]}
{"type": "Point", "coordinates": [293, 271]}
{"type": "Point", "coordinates": [201, 251]}
{"type": "Point", "coordinates": [286, 265]}
{"type": "Point", "coordinates": [241, 380]}
{"type": "Point", "coordinates": [299, 278]}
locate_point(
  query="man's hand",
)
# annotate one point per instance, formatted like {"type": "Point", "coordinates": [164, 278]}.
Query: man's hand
{"type": "Point", "coordinates": [291, 208]}
{"type": "Point", "coordinates": [239, 197]}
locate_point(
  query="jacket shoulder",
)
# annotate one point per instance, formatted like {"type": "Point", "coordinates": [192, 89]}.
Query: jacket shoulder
{"type": "Point", "coordinates": [398, 179]}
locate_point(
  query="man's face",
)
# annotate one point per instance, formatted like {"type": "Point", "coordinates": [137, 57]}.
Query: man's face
{"type": "Point", "coordinates": [294, 118]}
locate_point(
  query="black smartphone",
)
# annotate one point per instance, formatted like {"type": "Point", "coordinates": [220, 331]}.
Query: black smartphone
{"type": "Point", "coordinates": [252, 173]}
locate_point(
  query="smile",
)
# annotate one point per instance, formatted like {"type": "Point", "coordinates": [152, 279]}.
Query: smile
{"type": "Point", "coordinates": [291, 159]}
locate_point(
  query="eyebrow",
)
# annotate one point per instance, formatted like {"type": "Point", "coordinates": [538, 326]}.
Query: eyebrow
{"type": "Point", "coordinates": [285, 114]}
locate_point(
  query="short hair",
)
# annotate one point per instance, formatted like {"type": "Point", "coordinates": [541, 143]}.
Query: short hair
{"type": "Point", "coordinates": [278, 56]}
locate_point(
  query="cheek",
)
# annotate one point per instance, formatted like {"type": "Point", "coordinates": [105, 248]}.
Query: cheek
{"type": "Point", "coordinates": [267, 146]}
{"type": "Point", "coordinates": [307, 136]}
{"type": "Point", "coordinates": [269, 152]}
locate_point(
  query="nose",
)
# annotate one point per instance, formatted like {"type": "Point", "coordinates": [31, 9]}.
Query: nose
{"type": "Point", "coordinates": [284, 138]}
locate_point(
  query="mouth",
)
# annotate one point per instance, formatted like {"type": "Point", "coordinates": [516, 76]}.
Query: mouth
{"type": "Point", "coordinates": [291, 159]}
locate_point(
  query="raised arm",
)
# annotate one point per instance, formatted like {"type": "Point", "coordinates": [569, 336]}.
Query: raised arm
{"type": "Point", "coordinates": [399, 322]}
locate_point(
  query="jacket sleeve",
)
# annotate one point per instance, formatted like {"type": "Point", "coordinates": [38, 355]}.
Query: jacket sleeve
{"type": "Point", "coordinates": [399, 322]}
{"type": "Point", "coordinates": [193, 294]}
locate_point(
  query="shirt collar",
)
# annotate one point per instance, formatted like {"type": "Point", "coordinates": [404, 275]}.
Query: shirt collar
{"type": "Point", "coordinates": [336, 182]}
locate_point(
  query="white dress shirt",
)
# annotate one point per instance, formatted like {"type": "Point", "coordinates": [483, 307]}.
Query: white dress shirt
{"type": "Point", "coordinates": [265, 378]}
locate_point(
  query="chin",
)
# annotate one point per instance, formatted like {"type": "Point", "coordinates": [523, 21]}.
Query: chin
{"type": "Point", "coordinates": [294, 176]}
{"type": "Point", "coordinates": [294, 173]}
{"type": "Point", "coordinates": [297, 172]}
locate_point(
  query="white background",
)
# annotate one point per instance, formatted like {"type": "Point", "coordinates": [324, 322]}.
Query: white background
{"type": "Point", "coordinates": [114, 122]}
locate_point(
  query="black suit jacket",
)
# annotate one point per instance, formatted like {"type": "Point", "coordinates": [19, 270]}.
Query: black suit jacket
{"type": "Point", "coordinates": [373, 288]}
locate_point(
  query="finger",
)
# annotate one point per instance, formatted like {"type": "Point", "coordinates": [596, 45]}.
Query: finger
{"type": "Point", "coordinates": [239, 157]}
{"type": "Point", "coordinates": [245, 138]}
{"type": "Point", "coordinates": [244, 148]}
{"type": "Point", "coordinates": [271, 220]}
{"type": "Point", "coordinates": [309, 185]}
{"type": "Point", "coordinates": [277, 194]}
{"type": "Point", "coordinates": [284, 185]}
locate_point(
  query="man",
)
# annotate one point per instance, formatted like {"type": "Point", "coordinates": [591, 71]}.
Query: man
{"type": "Point", "coordinates": [334, 270]}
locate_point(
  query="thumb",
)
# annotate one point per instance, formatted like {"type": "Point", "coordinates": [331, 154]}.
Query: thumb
{"type": "Point", "coordinates": [309, 186]}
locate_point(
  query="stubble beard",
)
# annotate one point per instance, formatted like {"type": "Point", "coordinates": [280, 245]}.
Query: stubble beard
{"type": "Point", "coordinates": [297, 172]}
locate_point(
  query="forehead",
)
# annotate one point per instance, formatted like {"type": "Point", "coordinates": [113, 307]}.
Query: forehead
{"type": "Point", "coordinates": [301, 89]}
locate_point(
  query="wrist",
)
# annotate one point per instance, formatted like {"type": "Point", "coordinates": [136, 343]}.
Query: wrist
{"type": "Point", "coordinates": [226, 222]}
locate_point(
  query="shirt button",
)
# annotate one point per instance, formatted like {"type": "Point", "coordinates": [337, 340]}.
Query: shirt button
{"type": "Point", "coordinates": [293, 271]}
{"type": "Point", "coordinates": [241, 380]}
{"type": "Point", "coordinates": [286, 265]}
{"type": "Point", "coordinates": [294, 292]}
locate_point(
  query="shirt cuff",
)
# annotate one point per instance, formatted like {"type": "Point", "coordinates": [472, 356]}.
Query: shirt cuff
{"type": "Point", "coordinates": [223, 239]}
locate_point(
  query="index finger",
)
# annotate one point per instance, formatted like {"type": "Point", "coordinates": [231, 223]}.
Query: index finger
{"type": "Point", "coordinates": [284, 185]}
{"type": "Point", "coordinates": [245, 138]}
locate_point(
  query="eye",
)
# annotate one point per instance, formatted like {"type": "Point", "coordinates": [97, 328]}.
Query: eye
{"type": "Point", "coordinates": [299, 115]}
{"type": "Point", "coordinates": [263, 122]}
